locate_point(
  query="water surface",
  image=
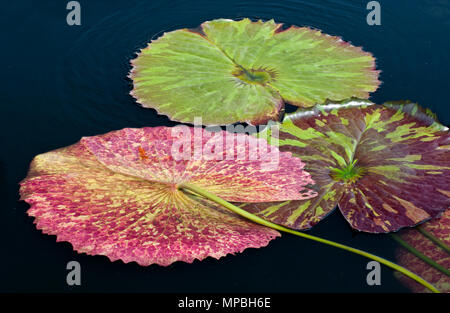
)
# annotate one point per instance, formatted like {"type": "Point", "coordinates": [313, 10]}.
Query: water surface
{"type": "Point", "coordinates": [62, 82]}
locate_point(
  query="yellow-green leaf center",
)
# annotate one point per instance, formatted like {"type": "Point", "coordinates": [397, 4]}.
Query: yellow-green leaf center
{"type": "Point", "coordinates": [254, 76]}
{"type": "Point", "coordinates": [348, 174]}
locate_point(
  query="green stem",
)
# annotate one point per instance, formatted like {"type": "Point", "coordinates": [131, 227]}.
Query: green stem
{"type": "Point", "coordinates": [261, 221]}
{"type": "Point", "coordinates": [420, 255]}
{"type": "Point", "coordinates": [430, 236]}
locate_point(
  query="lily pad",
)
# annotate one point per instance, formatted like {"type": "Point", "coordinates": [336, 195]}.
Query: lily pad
{"type": "Point", "coordinates": [242, 71]}
{"type": "Point", "coordinates": [440, 229]}
{"type": "Point", "coordinates": [117, 194]}
{"type": "Point", "coordinates": [385, 166]}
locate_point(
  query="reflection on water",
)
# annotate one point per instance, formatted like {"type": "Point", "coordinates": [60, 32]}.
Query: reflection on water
{"type": "Point", "coordinates": [437, 9]}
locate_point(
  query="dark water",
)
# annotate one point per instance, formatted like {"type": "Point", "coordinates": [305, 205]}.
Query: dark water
{"type": "Point", "coordinates": [60, 83]}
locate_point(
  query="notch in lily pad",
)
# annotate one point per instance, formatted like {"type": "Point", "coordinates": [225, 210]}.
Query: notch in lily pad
{"type": "Point", "coordinates": [242, 71]}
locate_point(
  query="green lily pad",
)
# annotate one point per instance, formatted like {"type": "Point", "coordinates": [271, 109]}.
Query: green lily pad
{"type": "Point", "coordinates": [385, 166]}
{"type": "Point", "coordinates": [242, 71]}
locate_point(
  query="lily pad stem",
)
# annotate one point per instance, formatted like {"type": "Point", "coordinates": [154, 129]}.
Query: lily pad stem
{"type": "Point", "coordinates": [263, 222]}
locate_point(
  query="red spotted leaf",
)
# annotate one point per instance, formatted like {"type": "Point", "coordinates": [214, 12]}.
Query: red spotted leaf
{"type": "Point", "coordinates": [439, 228]}
{"type": "Point", "coordinates": [386, 167]}
{"type": "Point", "coordinates": [117, 194]}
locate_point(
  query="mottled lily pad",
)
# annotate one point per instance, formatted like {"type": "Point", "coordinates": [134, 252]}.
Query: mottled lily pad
{"type": "Point", "coordinates": [386, 167]}
{"type": "Point", "coordinates": [117, 194]}
{"type": "Point", "coordinates": [242, 71]}
{"type": "Point", "coordinates": [440, 229]}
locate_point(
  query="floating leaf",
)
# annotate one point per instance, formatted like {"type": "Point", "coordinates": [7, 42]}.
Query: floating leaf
{"type": "Point", "coordinates": [228, 71]}
{"type": "Point", "coordinates": [387, 167]}
{"type": "Point", "coordinates": [440, 229]}
{"type": "Point", "coordinates": [116, 194]}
